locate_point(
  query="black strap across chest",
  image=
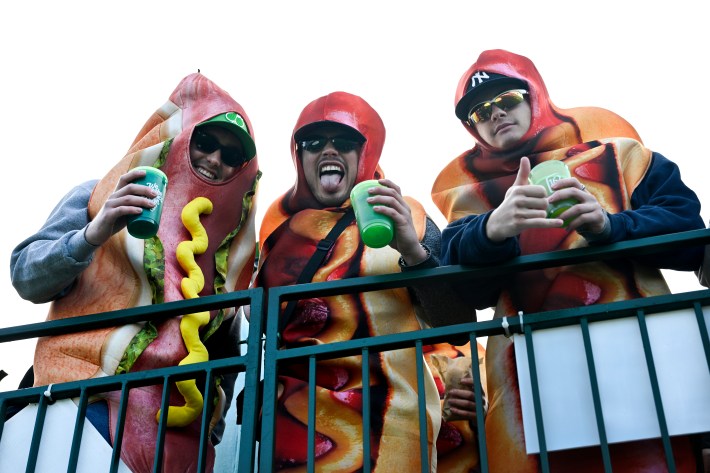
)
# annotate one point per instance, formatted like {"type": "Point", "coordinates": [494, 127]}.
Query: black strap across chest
{"type": "Point", "coordinates": [316, 261]}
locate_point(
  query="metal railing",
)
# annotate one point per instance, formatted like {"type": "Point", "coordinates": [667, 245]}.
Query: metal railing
{"type": "Point", "coordinates": [250, 364]}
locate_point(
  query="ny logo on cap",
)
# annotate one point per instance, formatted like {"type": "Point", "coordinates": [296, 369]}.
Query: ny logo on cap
{"type": "Point", "coordinates": [479, 76]}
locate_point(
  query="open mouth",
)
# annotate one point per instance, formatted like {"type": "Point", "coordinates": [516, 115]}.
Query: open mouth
{"type": "Point", "coordinates": [330, 176]}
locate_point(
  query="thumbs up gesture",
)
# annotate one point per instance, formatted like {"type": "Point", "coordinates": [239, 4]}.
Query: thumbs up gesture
{"type": "Point", "coordinates": [524, 206]}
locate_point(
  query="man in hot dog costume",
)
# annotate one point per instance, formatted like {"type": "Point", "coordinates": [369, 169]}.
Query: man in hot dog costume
{"type": "Point", "coordinates": [84, 261]}
{"type": "Point", "coordinates": [624, 191]}
{"type": "Point", "coordinates": [337, 143]}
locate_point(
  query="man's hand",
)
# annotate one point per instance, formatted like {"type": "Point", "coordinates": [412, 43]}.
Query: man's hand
{"type": "Point", "coordinates": [128, 199]}
{"type": "Point", "coordinates": [586, 216]}
{"type": "Point", "coordinates": [462, 402]}
{"type": "Point", "coordinates": [388, 201]}
{"type": "Point", "coordinates": [524, 206]}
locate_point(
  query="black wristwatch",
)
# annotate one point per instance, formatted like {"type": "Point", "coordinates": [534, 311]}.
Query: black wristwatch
{"type": "Point", "coordinates": [402, 264]}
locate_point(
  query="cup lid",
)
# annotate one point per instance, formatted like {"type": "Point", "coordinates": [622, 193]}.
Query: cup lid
{"type": "Point", "coordinates": [377, 235]}
{"type": "Point", "coordinates": [153, 170]}
{"type": "Point", "coordinates": [552, 165]}
{"type": "Point", "coordinates": [363, 186]}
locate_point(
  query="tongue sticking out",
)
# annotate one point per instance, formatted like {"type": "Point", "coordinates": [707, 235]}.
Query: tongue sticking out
{"type": "Point", "coordinates": [330, 180]}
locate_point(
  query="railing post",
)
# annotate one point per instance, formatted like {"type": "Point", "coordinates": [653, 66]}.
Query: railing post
{"type": "Point", "coordinates": [252, 385]}
{"type": "Point", "coordinates": [268, 419]}
{"type": "Point", "coordinates": [641, 316]}
{"type": "Point", "coordinates": [595, 394]}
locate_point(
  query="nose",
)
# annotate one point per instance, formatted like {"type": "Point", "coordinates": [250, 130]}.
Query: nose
{"type": "Point", "coordinates": [329, 148]}
{"type": "Point", "coordinates": [215, 157]}
{"type": "Point", "coordinates": [497, 112]}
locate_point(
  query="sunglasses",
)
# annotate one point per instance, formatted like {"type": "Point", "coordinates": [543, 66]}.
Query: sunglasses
{"type": "Point", "coordinates": [504, 101]}
{"type": "Point", "coordinates": [231, 156]}
{"type": "Point", "coordinates": [342, 145]}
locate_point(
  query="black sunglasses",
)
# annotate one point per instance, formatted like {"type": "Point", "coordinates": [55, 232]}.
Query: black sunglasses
{"type": "Point", "coordinates": [343, 145]}
{"type": "Point", "coordinates": [231, 156]}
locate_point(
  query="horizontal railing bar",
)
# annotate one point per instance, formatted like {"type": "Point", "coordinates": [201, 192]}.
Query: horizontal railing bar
{"type": "Point", "coordinates": [541, 320]}
{"type": "Point", "coordinates": [459, 273]}
{"type": "Point", "coordinates": [134, 379]}
{"type": "Point", "coordinates": [126, 316]}
{"type": "Point", "coordinates": [401, 340]}
{"type": "Point", "coordinates": [613, 310]}
{"type": "Point", "coordinates": [353, 285]}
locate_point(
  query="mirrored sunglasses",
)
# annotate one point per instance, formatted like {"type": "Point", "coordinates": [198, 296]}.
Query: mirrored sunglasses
{"type": "Point", "coordinates": [504, 101]}
{"type": "Point", "coordinates": [231, 156]}
{"type": "Point", "coordinates": [343, 145]}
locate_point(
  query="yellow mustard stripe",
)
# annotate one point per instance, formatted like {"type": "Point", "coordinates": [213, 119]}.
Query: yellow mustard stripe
{"type": "Point", "coordinates": [181, 416]}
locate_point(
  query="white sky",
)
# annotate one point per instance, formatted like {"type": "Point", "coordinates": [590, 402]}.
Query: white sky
{"type": "Point", "coordinates": [79, 78]}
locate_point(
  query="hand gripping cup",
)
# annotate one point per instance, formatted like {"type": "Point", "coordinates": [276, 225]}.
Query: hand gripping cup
{"type": "Point", "coordinates": [547, 173]}
{"type": "Point", "coordinates": [145, 225]}
{"type": "Point", "coordinates": [376, 230]}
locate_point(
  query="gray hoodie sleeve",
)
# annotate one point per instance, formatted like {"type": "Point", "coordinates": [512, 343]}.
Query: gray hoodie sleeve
{"type": "Point", "coordinates": [44, 266]}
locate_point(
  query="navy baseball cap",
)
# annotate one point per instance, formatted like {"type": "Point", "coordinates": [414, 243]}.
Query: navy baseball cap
{"type": "Point", "coordinates": [478, 84]}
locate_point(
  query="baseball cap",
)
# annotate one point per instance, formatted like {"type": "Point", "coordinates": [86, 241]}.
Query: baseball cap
{"type": "Point", "coordinates": [478, 84]}
{"type": "Point", "coordinates": [235, 123]}
{"type": "Point", "coordinates": [346, 130]}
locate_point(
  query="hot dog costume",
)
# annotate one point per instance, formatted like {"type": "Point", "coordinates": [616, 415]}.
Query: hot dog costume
{"type": "Point", "coordinates": [127, 272]}
{"type": "Point", "coordinates": [643, 194]}
{"type": "Point", "coordinates": [292, 227]}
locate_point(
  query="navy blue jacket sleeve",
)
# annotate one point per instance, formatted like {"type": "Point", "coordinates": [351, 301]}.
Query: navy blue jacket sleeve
{"type": "Point", "coordinates": [465, 242]}
{"type": "Point", "coordinates": [661, 204]}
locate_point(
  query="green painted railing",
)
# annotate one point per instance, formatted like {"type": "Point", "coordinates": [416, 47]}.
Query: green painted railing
{"type": "Point", "coordinates": [251, 362]}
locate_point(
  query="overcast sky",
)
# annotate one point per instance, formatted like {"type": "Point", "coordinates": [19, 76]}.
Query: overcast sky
{"type": "Point", "coordinates": [80, 78]}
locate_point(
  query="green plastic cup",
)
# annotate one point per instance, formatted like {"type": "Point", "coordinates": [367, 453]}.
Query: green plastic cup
{"type": "Point", "coordinates": [547, 173]}
{"type": "Point", "coordinates": [376, 230]}
{"type": "Point", "coordinates": [145, 225]}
